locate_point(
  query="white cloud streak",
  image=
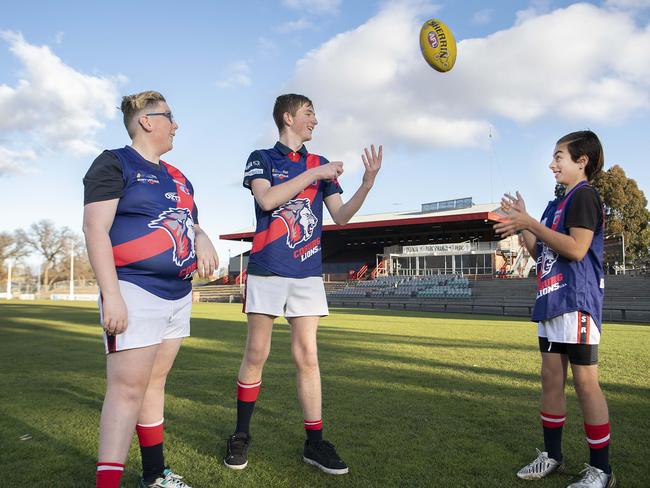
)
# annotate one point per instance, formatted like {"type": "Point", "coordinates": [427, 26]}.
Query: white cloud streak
{"type": "Point", "coordinates": [52, 105]}
{"type": "Point", "coordinates": [315, 6]}
{"type": "Point", "coordinates": [235, 74]}
{"type": "Point", "coordinates": [581, 63]}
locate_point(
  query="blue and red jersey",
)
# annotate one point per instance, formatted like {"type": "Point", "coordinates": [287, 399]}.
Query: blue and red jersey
{"type": "Point", "coordinates": [153, 230]}
{"type": "Point", "coordinates": [287, 239]}
{"type": "Point", "coordinates": [564, 285]}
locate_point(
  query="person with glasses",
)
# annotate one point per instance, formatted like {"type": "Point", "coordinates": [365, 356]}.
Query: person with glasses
{"type": "Point", "coordinates": [144, 243]}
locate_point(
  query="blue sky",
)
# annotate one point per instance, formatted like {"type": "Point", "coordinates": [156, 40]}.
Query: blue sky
{"type": "Point", "coordinates": [527, 73]}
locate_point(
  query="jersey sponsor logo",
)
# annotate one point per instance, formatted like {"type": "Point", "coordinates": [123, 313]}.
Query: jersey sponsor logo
{"type": "Point", "coordinates": [307, 251]}
{"type": "Point", "coordinates": [554, 283]}
{"type": "Point", "coordinates": [280, 174]}
{"type": "Point", "coordinates": [253, 172]}
{"type": "Point", "coordinates": [299, 220]}
{"type": "Point", "coordinates": [170, 195]}
{"type": "Point", "coordinates": [251, 164]}
{"type": "Point", "coordinates": [548, 259]}
{"type": "Point", "coordinates": [178, 224]}
{"type": "Point", "coordinates": [146, 178]}
{"type": "Point", "coordinates": [181, 186]}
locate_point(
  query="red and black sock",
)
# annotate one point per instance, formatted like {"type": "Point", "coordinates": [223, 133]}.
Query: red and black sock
{"type": "Point", "coordinates": [598, 440]}
{"type": "Point", "coordinates": [109, 475]}
{"type": "Point", "coordinates": [247, 394]}
{"type": "Point", "coordinates": [314, 430]}
{"type": "Point", "coordinates": [552, 424]}
{"type": "Point", "coordinates": [150, 437]}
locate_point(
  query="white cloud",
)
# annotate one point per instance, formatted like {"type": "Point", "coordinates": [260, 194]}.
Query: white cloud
{"type": "Point", "coordinates": [582, 63]}
{"type": "Point", "coordinates": [235, 74]}
{"type": "Point", "coordinates": [294, 25]}
{"type": "Point", "coordinates": [52, 105]}
{"type": "Point", "coordinates": [12, 162]}
{"type": "Point", "coordinates": [316, 6]}
{"type": "Point", "coordinates": [267, 48]}
{"type": "Point", "coordinates": [628, 4]}
{"type": "Point", "coordinates": [483, 16]}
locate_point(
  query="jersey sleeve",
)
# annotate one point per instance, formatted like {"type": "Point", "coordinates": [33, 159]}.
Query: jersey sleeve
{"type": "Point", "coordinates": [256, 167]}
{"type": "Point", "coordinates": [104, 179]}
{"type": "Point", "coordinates": [332, 186]}
{"type": "Point", "coordinates": [195, 210]}
{"type": "Point", "coordinates": [585, 210]}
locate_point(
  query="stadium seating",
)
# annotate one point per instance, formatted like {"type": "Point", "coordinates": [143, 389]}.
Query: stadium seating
{"type": "Point", "coordinates": [453, 287]}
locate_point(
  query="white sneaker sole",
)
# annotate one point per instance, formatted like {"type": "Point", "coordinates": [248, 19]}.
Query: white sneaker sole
{"type": "Point", "coordinates": [235, 466]}
{"type": "Point", "coordinates": [323, 468]}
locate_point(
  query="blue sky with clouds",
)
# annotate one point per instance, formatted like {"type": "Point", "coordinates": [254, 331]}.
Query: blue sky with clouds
{"type": "Point", "coordinates": [527, 73]}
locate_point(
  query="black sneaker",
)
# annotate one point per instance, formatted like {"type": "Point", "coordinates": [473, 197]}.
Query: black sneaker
{"type": "Point", "coordinates": [237, 450]}
{"type": "Point", "coordinates": [323, 455]}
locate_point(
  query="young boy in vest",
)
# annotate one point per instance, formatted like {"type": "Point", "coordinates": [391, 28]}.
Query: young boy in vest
{"type": "Point", "coordinates": [289, 186]}
{"type": "Point", "coordinates": [568, 244]}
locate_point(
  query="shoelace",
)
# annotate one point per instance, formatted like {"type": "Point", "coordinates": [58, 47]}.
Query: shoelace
{"type": "Point", "coordinates": [591, 474]}
{"type": "Point", "coordinates": [176, 480]}
{"type": "Point", "coordinates": [538, 462]}
{"type": "Point", "coordinates": [328, 448]}
{"type": "Point", "coordinates": [237, 445]}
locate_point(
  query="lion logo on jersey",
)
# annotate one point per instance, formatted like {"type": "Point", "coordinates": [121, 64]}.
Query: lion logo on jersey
{"type": "Point", "coordinates": [179, 225]}
{"type": "Point", "coordinates": [299, 219]}
{"type": "Point", "coordinates": [548, 257]}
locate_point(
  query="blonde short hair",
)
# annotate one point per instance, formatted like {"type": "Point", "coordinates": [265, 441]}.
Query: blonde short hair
{"type": "Point", "coordinates": [133, 104]}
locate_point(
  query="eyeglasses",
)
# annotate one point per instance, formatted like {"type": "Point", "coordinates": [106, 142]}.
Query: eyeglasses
{"type": "Point", "coordinates": [169, 115]}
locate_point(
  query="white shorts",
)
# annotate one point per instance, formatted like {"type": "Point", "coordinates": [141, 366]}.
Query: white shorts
{"type": "Point", "coordinates": [570, 328]}
{"type": "Point", "coordinates": [151, 319]}
{"type": "Point", "coordinates": [289, 297]}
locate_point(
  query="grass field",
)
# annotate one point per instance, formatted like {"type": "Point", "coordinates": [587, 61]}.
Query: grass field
{"type": "Point", "coordinates": [410, 400]}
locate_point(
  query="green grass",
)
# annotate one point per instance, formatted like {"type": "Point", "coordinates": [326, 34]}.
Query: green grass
{"type": "Point", "coordinates": [410, 399]}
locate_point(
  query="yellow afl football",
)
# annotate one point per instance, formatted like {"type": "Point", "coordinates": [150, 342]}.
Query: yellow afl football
{"type": "Point", "coordinates": [438, 45]}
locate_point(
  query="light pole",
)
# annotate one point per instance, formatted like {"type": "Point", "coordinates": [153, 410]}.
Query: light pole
{"type": "Point", "coordinates": [623, 248]}
{"type": "Point", "coordinates": [71, 291]}
{"type": "Point", "coordinates": [10, 266]}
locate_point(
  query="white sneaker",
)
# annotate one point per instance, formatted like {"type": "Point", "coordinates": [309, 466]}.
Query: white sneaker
{"type": "Point", "coordinates": [594, 478]}
{"type": "Point", "coordinates": [168, 479]}
{"type": "Point", "coordinates": [540, 467]}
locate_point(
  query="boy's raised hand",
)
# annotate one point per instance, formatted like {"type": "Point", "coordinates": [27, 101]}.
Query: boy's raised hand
{"type": "Point", "coordinates": [372, 162]}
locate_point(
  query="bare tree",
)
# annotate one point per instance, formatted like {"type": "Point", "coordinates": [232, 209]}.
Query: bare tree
{"type": "Point", "coordinates": [10, 249]}
{"type": "Point", "coordinates": [50, 242]}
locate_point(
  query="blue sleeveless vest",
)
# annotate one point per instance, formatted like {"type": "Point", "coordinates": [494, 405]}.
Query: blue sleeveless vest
{"type": "Point", "coordinates": [564, 285]}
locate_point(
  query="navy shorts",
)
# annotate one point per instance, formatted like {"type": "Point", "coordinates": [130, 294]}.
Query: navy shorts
{"type": "Point", "coordinates": [580, 354]}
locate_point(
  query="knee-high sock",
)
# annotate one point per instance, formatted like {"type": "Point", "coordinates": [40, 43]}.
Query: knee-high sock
{"type": "Point", "coordinates": [314, 430]}
{"type": "Point", "coordinates": [150, 437]}
{"type": "Point", "coordinates": [598, 440]}
{"type": "Point", "coordinates": [552, 425]}
{"type": "Point", "coordinates": [247, 394]}
{"type": "Point", "coordinates": [109, 474]}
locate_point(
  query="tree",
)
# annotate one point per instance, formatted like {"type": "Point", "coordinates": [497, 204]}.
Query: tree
{"type": "Point", "coordinates": [51, 243]}
{"type": "Point", "coordinates": [626, 211]}
{"type": "Point", "coordinates": [10, 249]}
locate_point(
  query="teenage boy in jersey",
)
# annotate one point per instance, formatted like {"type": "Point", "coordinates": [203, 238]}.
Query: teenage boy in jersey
{"type": "Point", "coordinates": [289, 186]}
{"type": "Point", "coordinates": [144, 244]}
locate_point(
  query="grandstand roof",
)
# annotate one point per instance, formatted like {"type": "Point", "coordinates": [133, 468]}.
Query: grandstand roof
{"type": "Point", "coordinates": [476, 219]}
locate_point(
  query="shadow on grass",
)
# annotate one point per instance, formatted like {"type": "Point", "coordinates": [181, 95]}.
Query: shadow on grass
{"type": "Point", "coordinates": [381, 390]}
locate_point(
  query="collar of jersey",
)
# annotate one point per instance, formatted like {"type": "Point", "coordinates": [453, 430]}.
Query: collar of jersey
{"type": "Point", "coordinates": [286, 150]}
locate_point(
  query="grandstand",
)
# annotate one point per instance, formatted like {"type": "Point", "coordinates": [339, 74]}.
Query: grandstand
{"type": "Point", "coordinates": [448, 237]}
{"type": "Point", "coordinates": [444, 257]}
